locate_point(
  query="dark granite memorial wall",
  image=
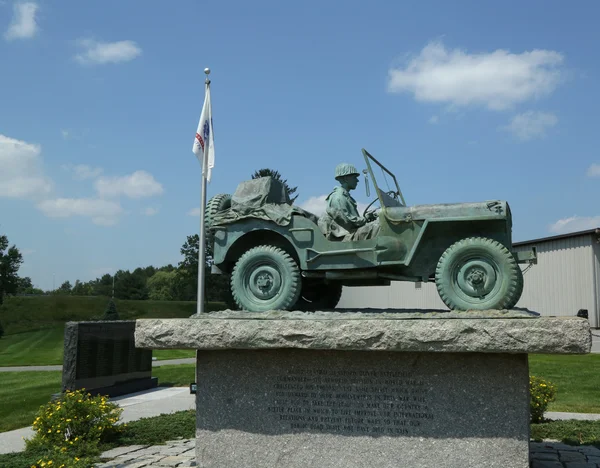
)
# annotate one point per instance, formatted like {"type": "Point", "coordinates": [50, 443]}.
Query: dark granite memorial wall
{"type": "Point", "coordinates": [102, 358]}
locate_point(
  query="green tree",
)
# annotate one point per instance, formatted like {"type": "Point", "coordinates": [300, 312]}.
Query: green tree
{"type": "Point", "coordinates": [10, 261]}
{"type": "Point", "coordinates": [1, 330]}
{"type": "Point", "coordinates": [277, 176]}
{"type": "Point", "coordinates": [161, 285]}
{"type": "Point", "coordinates": [110, 313]}
{"type": "Point", "coordinates": [65, 288]}
{"type": "Point", "coordinates": [103, 286]}
{"type": "Point", "coordinates": [216, 287]}
{"type": "Point", "coordinates": [24, 285]}
{"type": "Point", "coordinates": [82, 289]}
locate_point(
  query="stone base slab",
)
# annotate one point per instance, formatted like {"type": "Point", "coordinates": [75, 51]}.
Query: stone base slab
{"type": "Point", "coordinates": [368, 332]}
{"type": "Point", "coordinates": [344, 409]}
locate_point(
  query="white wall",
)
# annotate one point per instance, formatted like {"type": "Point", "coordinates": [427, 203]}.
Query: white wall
{"type": "Point", "coordinates": [563, 281]}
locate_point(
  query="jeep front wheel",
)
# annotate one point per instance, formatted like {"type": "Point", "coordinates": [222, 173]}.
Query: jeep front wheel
{"type": "Point", "coordinates": [478, 273]}
{"type": "Point", "coordinates": [265, 278]}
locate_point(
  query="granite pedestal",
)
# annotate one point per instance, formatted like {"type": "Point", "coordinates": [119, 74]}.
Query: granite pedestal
{"type": "Point", "coordinates": [364, 389]}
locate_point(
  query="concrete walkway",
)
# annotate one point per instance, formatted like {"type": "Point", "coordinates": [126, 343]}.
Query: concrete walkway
{"type": "Point", "coordinates": [166, 362]}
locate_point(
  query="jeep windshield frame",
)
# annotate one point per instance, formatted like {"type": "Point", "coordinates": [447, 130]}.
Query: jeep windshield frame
{"type": "Point", "coordinates": [390, 198]}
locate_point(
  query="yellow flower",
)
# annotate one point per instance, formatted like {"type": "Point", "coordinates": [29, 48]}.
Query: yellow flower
{"type": "Point", "coordinates": [76, 459]}
{"type": "Point", "coordinates": [49, 462]}
{"type": "Point", "coordinates": [69, 420]}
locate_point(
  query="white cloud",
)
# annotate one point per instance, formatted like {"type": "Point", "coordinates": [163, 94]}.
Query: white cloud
{"type": "Point", "coordinates": [140, 184]}
{"type": "Point", "coordinates": [574, 224]}
{"type": "Point", "coordinates": [21, 174]}
{"type": "Point", "coordinates": [434, 119]}
{"type": "Point", "coordinates": [100, 53]}
{"type": "Point", "coordinates": [531, 124]}
{"type": "Point", "coordinates": [496, 80]}
{"type": "Point", "coordinates": [23, 24]}
{"type": "Point", "coordinates": [194, 212]}
{"type": "Point", "coordinates": [594, 170]}
{"type": "Point", "coordinates": [102, 212]}
{"type": "Point", "coordinates": [83, 172]}
{"type": "Point", "coordinates": [150, 211]}
{"type": "Point", "coordinates": [315, 205]}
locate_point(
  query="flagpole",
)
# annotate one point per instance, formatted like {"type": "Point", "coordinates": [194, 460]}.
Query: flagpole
{"type": "Point", "coordinates": [202, 246]}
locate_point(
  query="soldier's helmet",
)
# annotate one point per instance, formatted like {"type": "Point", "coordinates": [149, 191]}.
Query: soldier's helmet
{"type": "Point", "coordinates": [345, 169]}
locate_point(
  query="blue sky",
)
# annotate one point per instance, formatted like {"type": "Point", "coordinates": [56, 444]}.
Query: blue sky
{"type": "Point", "coordinates": [464, 101]}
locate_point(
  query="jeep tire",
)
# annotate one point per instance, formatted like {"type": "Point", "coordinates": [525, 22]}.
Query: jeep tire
{"type": "Point", "coordinates": [266, 278]}
{"type": "Point", "coordinates": [215, 205]}
{"type": "Point", "coordinates": [318, 295]}
{"type": "Point", "coordinates": [478, 273]}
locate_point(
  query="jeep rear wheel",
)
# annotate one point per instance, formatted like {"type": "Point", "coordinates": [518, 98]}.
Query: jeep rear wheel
{"type": "Point", "coordinates": [265, 278]}
{"type": "Point", "coordinates": [316, 295]}
{"type": "Point", "coordinates": [478, 273]}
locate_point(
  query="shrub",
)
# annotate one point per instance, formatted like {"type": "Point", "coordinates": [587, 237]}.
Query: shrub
{"type": "Point", "coordinates": [73, 426]}
{"type": "Point", "coordinates": [59, 459]}
{"type": "Point", "coordinates": [111, 311]}
{"type": "Point", "coordinates": [1, 330]}
{"type": "Point", "coordinates": [542, 393]}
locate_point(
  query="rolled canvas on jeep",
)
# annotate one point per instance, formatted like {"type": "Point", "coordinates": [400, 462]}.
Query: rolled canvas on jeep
{"type": "Point", "coordinates": [253, 194]}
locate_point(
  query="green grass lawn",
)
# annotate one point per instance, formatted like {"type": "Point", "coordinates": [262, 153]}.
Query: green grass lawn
{"type": "Point", "coordinates": [21, 395]}
{"type": "Point", "coordinates": [175, 376]}
{"type": "Point", "coordinates": [577, 380]}
{"type": "Point", "coordinates": [35, 348]}
{"type": "Point", "coordinates": [163, 354]}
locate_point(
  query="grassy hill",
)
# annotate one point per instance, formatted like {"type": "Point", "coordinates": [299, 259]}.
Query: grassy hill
{"type": "Point", "coordinates": [34, 326]}
{"type": "Point", "coordinates": [24, 314]}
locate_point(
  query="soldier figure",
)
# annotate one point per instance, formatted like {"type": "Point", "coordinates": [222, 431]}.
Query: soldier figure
{"type": "Point", "coordinates": [342, 221]}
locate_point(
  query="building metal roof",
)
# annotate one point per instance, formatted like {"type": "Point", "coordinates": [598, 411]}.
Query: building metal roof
{"type": "Point", "coordinates": [587, 232]}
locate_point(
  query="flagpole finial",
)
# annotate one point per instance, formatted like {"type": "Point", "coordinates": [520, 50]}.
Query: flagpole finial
{"type": "Point", "coordinates": [207, 72]}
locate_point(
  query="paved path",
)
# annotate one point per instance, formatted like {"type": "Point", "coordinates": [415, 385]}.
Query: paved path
{"type": "Point", "coordinates": [181, 453]}
{"type": "Point", "coordinates": [166, 362]}
{"type": "Point", "coordinates": [557, 455]}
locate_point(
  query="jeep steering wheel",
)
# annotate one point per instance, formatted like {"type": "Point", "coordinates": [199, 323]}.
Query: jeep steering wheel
{"type": "Point", "coordinates": [367, 211]}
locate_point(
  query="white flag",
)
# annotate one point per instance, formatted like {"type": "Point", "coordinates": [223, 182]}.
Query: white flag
{"type": "Point", "coordinates": [204, 143]}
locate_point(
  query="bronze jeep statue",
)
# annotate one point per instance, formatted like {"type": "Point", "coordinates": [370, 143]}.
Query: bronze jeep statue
{"type": "Point", "coordinates": [280, 258]}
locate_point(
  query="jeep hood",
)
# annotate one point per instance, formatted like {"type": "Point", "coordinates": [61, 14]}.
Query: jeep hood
{"type": "Point", "coordinates": [493, 209]}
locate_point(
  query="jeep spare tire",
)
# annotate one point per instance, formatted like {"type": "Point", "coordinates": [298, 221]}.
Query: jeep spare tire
{"type": "Point", "coordinates": [478, 273]}
{"type": "Point", "coordinates": [214, 206]}
{"type": "Point", "coordinates": [266, 278]}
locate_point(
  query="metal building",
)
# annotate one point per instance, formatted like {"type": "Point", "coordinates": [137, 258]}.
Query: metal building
{"type": "Point", "coordinates": [565, 279]}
